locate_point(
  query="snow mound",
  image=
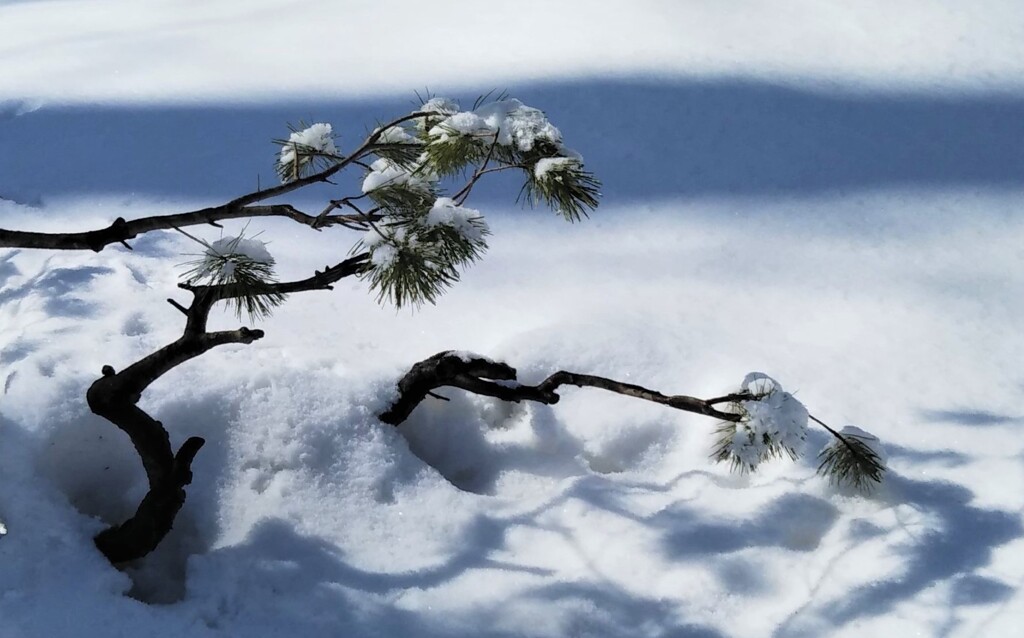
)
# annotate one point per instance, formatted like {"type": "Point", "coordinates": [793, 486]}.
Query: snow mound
{"type": "Point", "coordinates": [596, 515]}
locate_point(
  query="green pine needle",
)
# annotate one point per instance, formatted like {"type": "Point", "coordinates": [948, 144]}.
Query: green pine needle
{"type": "Point", "coordinates": [850, 461]}
{"type": "Point", "coordinates": [254, 277]}
{"type": "Point", "coordinates": [404, 198]}
{"type": "Point", "coordinates": [404, 155]}
{"type": "Point", "coordinates": [722, 449]}
{"type": "Point", "coordinates": [410, 278]}
{"type": "Point", "coordinates": [455, 154]}
{"type": "Point", "coordinates": [569, 190]}
{"type": "Point", "coordinates": [306, 160]}
{"type": "Point", "coordinates": [413, 263]}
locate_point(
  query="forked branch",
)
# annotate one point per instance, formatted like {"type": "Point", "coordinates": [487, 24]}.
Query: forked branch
{"type": "Point", "coordinates": [115, 395]}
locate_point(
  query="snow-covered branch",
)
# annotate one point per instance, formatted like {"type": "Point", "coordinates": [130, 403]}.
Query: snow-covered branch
{"type": "Point", "coordinates": [121, 231]}
{"type": "Point", "coordinates": [757, 423]}
{"type": "Point", "coordinates": [415, 241]}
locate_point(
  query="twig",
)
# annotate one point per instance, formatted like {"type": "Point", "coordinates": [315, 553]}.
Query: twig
{"type": "Point", "coordinates": [461, 196]}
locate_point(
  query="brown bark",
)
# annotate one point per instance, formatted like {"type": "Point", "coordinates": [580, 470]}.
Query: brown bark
{"type": "Point", "coordinates": [480, 376]}
{"type": "Point", "coordinates": [115, 395]}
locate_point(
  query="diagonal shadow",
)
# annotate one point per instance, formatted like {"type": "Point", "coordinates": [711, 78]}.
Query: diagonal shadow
{"type": "Point", "coordinates": [793, 521]}
{"type": "Point", "coordinates": [60, 288]}
{"type": "Point", "coordinates": [962, 543]}
{"type": "Point", "coordinates": [334, 592]}
{"type": "Point", "coordinates": [609, 612]}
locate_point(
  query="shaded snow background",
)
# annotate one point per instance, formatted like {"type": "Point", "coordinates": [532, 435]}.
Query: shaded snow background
{"type": "Point", "coordinates": [839, 208]}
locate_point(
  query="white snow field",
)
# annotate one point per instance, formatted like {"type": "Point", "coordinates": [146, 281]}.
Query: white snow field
{"type": "Point", "coordinates": [829, 194]}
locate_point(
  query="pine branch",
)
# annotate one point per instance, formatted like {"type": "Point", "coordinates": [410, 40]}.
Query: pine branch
{"type": "Point", "coordinates": [120, 231]}
{"type": "Point", "coordinates": [481, 170]}
{"type": "Point", "coordinates": [114, 396]}
{"type": "Point", "coordinates": [851, 460]}
{"type": "Point", "coordinates": [207, 295]}
{"type": "Point", "coordinates": [477, 375]}
{"type": "Point", "coordinates": [570, 191]}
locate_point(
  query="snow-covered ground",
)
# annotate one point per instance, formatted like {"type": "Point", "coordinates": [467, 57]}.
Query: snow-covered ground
{"type": "Point", "coordinates": [830, 195]}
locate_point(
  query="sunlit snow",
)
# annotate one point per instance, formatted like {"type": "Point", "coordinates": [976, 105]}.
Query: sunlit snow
{"type": "Point", "coordinates": [831, 193]}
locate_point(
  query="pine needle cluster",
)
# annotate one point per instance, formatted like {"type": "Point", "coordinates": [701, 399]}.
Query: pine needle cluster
{"type": "Point", "coordinates": [566, 189]}
{"type": "Point", "coordinates": [770, 424]}
{"type": "Point", "coordinates": [455, 152]}
{"type": "Point", "coordinates": [852, 459]}
{"type": "Point", "coordinates": [414, 261]}
{"type": "Point", "coordinates": [223, 264]}
{"type": "Point", "coordinates": [724, 448]}
{"type": "Point", "coordinates": [299, 158]}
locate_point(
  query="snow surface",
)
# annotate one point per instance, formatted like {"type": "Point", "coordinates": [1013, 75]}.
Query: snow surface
{"type": "Point", "coordinates": [894, 305]}
{"type": "Point", "coordinates": [105, 50]}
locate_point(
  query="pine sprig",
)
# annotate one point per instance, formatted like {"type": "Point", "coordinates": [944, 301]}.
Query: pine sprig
{"type": "Point", "coordinates": [452, 153]}
{"type": "Point", "coordinates": [227, 265]}
{"type": "Point", "coordinates": [297, 159]}
{"type": "Point", "coordinates": [453, 248]}
{"type": "Point", "coordinates": [402, 144]}
{"type": "Point", "coordinates": [405, 154]}
{"type": "Point", "coordinates": [851, 459]}
{"type": "Point", "coordinates": [403, 198]}
{"type": "Point", "coordinates": [568, 189]}
{"type": "Point", "coordinates": [413, 262]}
{"type": "Point", "coordinates": [724, 449]}
{"type": "Point", "coordinates": [408, 276]}
{"type": "Point", "coordinates": [770, 423]}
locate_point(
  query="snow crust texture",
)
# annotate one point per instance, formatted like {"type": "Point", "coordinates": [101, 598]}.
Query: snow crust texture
{"type": "Point", "coordinates": [599, 516]}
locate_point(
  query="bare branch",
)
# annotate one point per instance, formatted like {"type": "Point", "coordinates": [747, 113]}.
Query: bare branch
{"type": "Point", "coordinates": [114, 396]}
{"type": "Point", "coordinates": [207, 295]}
{"type": "Point", "coordinates": [120, 230]}
{"type": "Point", "coordinates": [679, 401]}
{"type": "Point", "coordinates": [478, 375]}
{"type": "Point", "coordinates": [239, 208]}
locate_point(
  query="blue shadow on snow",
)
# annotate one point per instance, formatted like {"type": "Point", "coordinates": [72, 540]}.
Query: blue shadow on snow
{"type": "Point", "coordinates": [644, 138]}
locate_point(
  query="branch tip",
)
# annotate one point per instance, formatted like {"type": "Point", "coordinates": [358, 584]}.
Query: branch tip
{"type": "Point", "coordinates": [177, 305]}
